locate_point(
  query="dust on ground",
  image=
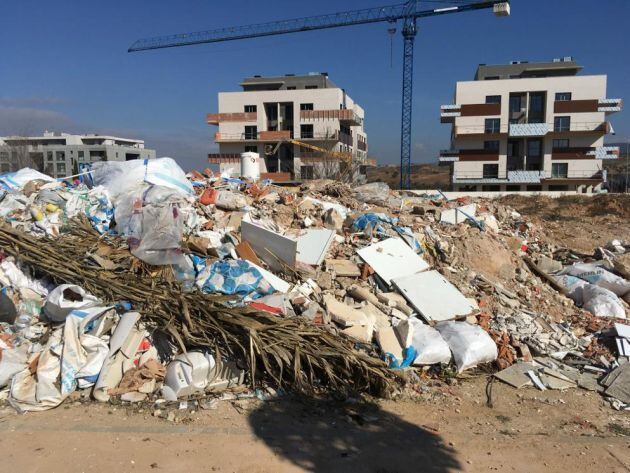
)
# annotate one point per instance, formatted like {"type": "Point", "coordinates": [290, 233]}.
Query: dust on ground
{"type": "Point", "coordinates": [581, 223]}
{"type": "Point", "coordinates": [449, 428]}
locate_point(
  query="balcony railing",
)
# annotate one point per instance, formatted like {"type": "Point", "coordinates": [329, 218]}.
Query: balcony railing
{"type": "Point", "coordinates": [218, 158]}
{"type": "Point", "coordinates": [216, 118]}
{"type": "Point", "coordinates": [259, 136]}
{"type": "Point", "coordinates": [610, 105]}
{"type": "Point", "coordinates": [347, 116]}
{"type": "Point", "coordinates": [480, 130]}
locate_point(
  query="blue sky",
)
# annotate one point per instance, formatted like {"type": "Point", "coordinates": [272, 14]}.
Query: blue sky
{"type": "Point", "coordinates": [64, 64]}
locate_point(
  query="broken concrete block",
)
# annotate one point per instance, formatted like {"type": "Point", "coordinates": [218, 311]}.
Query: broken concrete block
{"type": "Point", "coordinates": [343, 268]}
{"type": "Point", "coordinates": [548, 265]}
{"type": "Point", "coordinates": [343, 314]}
{"type": "Point", "coordinates": [389, 344]}
{"type": "Point", "coordinates": [362, 333]}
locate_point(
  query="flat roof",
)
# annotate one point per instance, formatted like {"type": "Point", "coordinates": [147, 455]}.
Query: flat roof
{"type": "Point", "coordinates": [519, 69]}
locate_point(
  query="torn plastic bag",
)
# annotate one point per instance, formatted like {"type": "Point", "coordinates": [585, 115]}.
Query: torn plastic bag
{"type": "Point", "coordinates": [602, 302]}
{"type": "Point", "coordinates": [599, 276]}
{"type": "Point", "coordinates": [64, 299]}
{"type": "Point", "coordinates": [120, 176]}
{"type": "Point", "coordinates": [12, 361]}
{"type": "Point", "coordinates": [94, 204]}
{"type": "Point", "coordinates": [13, 181]}
{"type": "Point", "coordinates": [234, 277]}
{"type": "Point", "coordinates": [153, 223]}
{"type": "Point", "coordinates": [83, 355]}
{"type": "Point", "coordinates": [379, 223]}
{"type": "Point", "coordinates": [470, 344]}
{"type": "Point", "coordinates": [12, 203]}
{"type": "Point", "coordinates": [187, 374]}
{"type": "Point", "coordinates": [430, 347]}
{"type": "Point", "coordinates": [11, 275]}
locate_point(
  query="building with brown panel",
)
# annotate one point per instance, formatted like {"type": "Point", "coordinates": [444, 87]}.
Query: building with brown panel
{"type": "Point", "coordinates": [529, 127]}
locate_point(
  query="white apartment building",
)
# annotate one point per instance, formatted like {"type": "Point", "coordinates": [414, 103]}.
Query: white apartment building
{"type": "Point", "coordinates": [529, 127]}
{"type": "Point", "coordinates": [271, 110]}
{"type": "Point", "coordinates": [60, 155]}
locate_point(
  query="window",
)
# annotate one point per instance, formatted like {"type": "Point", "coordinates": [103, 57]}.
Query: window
{"type": "Point", "coordinates": [561, 143]}
{"type": "Point", "coordinates": [311, 87]}
{"type": "Point", "coordinates": [80, 156]}
{"type": "Point", "coordinates": [4, 156]}
{"type": "Point", "coordinates": [536, 107]}
{"type": "Point", "coordinates": [306, 131]}
{"type": "Point", "coordinates": [492, 125]}
{"type": "Point", "coordinates": [563, 96]}
{"type": "Point", "coordinates": [490, 171]}
{"type": "Point", "coordinates": [306, 172]}
{"type": "Point", "coordinates": [491, 145]}
{"type": "Point", "coordinates": [250, 108]}
{"type": "Point", "coordinates": [561, 123]}
{"type": "Point", "coordinates": [487, 188]}
{"type": "Point", "coordinates": [291, 88]}
{"type": "Point", "coordinates": [61, 156]}
{"type": "Point", "coordinates": [533, 188]}
{"type": "Point", "coordinates": [251, 149]}
{"type": "Point", "coordinates": [306, 106]}
{"type": "Point", "coordinates": [513, 188]}
{"type": "Point", "coordinates": [251, 132]}
{"type": "Point", "coordinates": [61, 168]}
{"type": "Point", "coordinates": [492, 78]}
{"type": "Point", "coordinates": [493, 99]}
{"type": "Point", "coordinates": [49, 155]}
{"type": "Point", "coordinates": [559, 188]}
{"type": "Point", "coordinates": [534, 148]}
{"type": "Point", "coordinates": [559, 170]}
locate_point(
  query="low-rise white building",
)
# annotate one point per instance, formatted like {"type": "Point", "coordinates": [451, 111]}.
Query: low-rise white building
{"type": "Point", "coordinates": [272, 110]}
{"type": "Point", "coordinates": [529, 126]}
{"type": "Point", "coordinates": [60, 155]}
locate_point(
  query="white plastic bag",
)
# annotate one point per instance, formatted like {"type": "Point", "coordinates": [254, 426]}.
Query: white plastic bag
{"type": "Point", "coordinates": [470, 344]}
{"type": "Point", "coordinates": [430, 347]}
{"type": "Point", "coordinates": [573, 285]}
{"type": "Point", "coordinates": [602, 302]}
{"type": "Point", "coordinates": [599, 276]}
{"type": "Point", "coordinates": [12, 361]}
{"type": "Point", "coordinates": [64, 299]}
{"type": "Point", "coordinates": [120, 176]}
{"type": "Point", "coordinates": [17, 180]}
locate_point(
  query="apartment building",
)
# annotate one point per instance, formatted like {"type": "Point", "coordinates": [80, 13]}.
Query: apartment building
{"type": "Point", "coordinates": [60, 155]}
{"type": "Point", "coordinates": [269, 111]}
{"type": "Point", "coordinates": [529, 127]}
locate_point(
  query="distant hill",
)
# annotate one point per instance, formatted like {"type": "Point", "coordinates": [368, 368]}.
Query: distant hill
{"type": "Point", "coordinates": [423, 176]}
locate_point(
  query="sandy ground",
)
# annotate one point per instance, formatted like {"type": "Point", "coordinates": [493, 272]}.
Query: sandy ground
{"type": "Point", "coordinates": [449, 429]}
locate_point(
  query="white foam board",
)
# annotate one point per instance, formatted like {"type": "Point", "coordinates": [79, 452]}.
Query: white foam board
{"type": "Point", "coordinates": [270, 246]}
{"type": "Point", "coordinates": [313, 244]}
{"type": "Point", "coordinates": [392, 258]}
{"type": "Point", "coordinates": [433, 296]}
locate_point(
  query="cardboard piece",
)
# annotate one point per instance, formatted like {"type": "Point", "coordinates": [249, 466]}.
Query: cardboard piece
{"type": "Point", "coordinates": [433, 296]}
{"type": "Point", "coordinates": [245, 251]}
{"type": "Point", "coordinates": [392, 258]}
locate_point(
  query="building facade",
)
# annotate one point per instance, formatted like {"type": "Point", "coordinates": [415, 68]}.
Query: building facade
{"type": "Point", "coordinates": [60, 155]}
{"type": "Point", "coordinates": [270, 111]}
{"type": "Point", "coordinates": [529, 127]}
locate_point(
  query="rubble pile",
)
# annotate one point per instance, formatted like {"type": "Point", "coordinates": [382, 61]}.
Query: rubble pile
{"type": "Point", "coordinates": [141, 283]}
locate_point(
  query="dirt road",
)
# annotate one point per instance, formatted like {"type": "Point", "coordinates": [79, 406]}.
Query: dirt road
{"type": "Point", "coordinates": [449, 429]}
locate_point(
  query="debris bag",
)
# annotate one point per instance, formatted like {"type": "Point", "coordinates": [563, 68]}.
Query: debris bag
{"type": "Point", "coordinates": [470, 344]}
{"type": "Point", "coordinates": [599, 276]}
{"type": "Point", "coordinates": [430, 347]}
{"type": "Point", "coordinates": [12, 361]}
{"type": "Point", "coordinates": [574, 287]}
{"type": "Point", "coordinates": [15, 181]}
{"type": "Point", "coordinates": [187, 374]}
{"type": "Point", "coordinates": [234, 277]}
{"type": "Point", "coordinates": [64, 299]}
{"type": "Point", "coordinates": [374, 193]}
{"type": "Point", "coordinates": [223, 199]}
{"type": "Point", "coordinates": [12, 275]}
{"type": "Point", "coordinates": [94, 204]}
{"type": "Point", "coordinates": [602, 302]}
{"type": "Point", "coordinates": [153, 223]}
{"type": "Point", "coordinates": [120, 176]}
{"type": "Point", "coordinates": [12, 203]}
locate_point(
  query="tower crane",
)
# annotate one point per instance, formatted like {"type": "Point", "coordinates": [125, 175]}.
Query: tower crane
{"type": "Point", "coordinates": [408, 13]}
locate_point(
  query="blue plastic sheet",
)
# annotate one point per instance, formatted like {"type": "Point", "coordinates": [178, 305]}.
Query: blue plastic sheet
{"type": "Point", "coordinates": [378, 224]}
{"type": "Point", "coordinates": [234, 277]}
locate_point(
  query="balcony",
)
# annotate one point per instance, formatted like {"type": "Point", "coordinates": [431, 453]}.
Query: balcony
{"type": "Point", "coordinates": [529, 129]}
{"type": "Point", "coordinates": [525, 177]}
{"type": "Point", "coordinates": [481, 131]}
{"type": "Point", "coordinates": [216, 118]}
{"type": "Point", "coordinates": [260, 136]}
{"type": "Point", "coordinates": [448, 156]}
{"type": "Point", "coordinates": [577, 176]}
{"type": "Point", "coordinates": [218, 158]}
{"type": "Point", "coordinates": [448, 113]}
{"type": "Point", "coordinates": [600, 152]}
{"type": "Point", "coordinates": [609, 105]}
{"type": "Point", "coordinates": [362, 145]}
{"type": "Point", "coordinates": [583, 128]}
{"type": "Point", "coordinates": [334, 136]}
{"type": "Point", "coordinates": [346, 116]}
{"type": "Point", "coordinates": [588, 106]}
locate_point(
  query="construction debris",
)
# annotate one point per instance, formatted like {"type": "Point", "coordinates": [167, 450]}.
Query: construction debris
{"type": "Point", "coordinates": [143, 288]}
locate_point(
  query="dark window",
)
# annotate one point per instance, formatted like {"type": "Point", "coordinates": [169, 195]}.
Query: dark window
{"type": "Point", "coordinates": [493, 99]}
{"type": "Point", "coordinates": [81, 154]}
{"type": "Point", "coordinates": [492, 125]}
{"type": "Point", "coordinates": [306, 106]}
{"type": "Point", "coordinates": [512, 188]}
{"type": "Point", "coordinates": [559, 170]}
{"type": "Point", "coordinates": [562, 124]}
{"type": "Point", "coordinates": [492, 78]}
{"type": "Point", "coordinates": [311, 87]}
{"type": "Point", "coordinates": [291, 88]}
{"type": "Point", "coordinates": [560, 143]}
{"type": "Point", "coordinates": [488, 188]}
{"type": "Point", "coordinates": [536, 107]}
{"type": "Point", "coordinates": [251, 149]}
{"type": "Point", "coordinates": [534, 148]}
{"type": "Point", "coordinates": [490, 171]}
{"type": "Point", "coordinates": [306, 131]}
{"type": "Point", "coordinates": [563, 96]}
{"type": "Point", "coordinates": [251, 132]}
{"type": "Point", "coordinates": [306, 172]}
{"type": "Point", "coordinates": [559, 188]}
{"type": "Point", "coordinates": [491, 145]}
{"type": "Point", "coordinates": [534, 188]}
{"type": "Point", "coordinates": [49, 155]}
{"type": "Point", "coordinates": [250, 108]}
